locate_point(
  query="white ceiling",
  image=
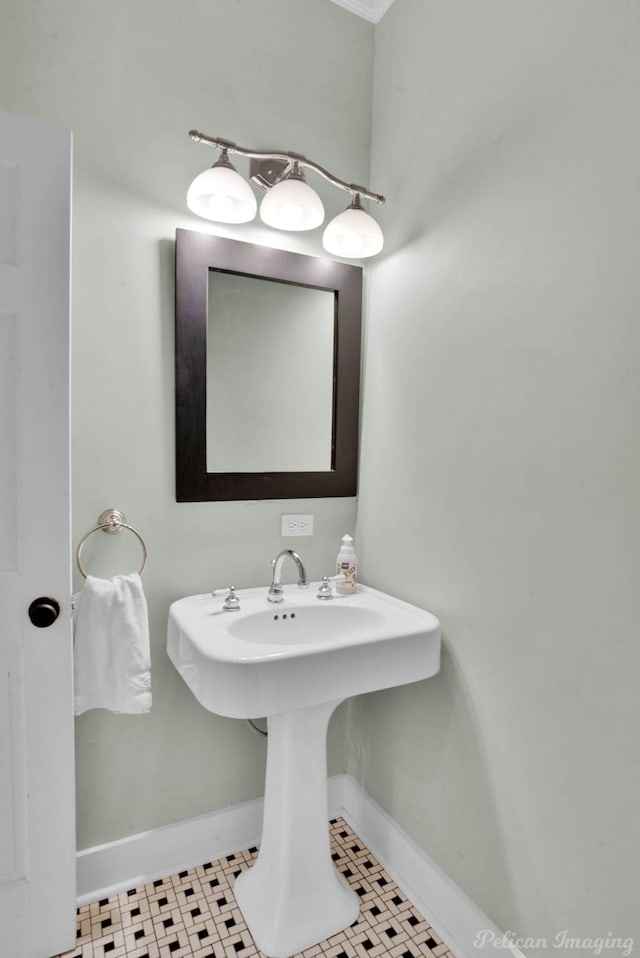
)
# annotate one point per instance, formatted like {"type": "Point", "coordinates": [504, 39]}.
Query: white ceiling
{"type": "Point", "coordinates": [369, 9]}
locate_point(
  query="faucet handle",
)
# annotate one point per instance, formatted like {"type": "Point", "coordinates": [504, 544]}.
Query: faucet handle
{"type": "Point", "coordinates": [324, 592]}
{"type": "Point", "coordinates": [231, 602]}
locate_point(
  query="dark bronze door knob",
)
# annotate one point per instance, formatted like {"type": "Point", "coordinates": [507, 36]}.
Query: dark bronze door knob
{"type": "Point", "coordinates": [44, 611]}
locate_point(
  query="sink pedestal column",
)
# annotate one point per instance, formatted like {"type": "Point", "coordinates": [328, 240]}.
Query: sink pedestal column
{"type": "Point", "coordinates": [293, 896]}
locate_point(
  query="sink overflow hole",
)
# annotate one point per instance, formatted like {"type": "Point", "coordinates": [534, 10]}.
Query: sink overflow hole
{"type": "Point", "coordinates": [285, 615]}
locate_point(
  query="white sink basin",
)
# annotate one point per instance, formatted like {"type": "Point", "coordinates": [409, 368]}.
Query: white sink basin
{"type": "Point", "coordinates": [265, 659]}
{"type": "Point", "coordinates": [319, 625]}
{"type": "Point", "coordinates": [294, 662]}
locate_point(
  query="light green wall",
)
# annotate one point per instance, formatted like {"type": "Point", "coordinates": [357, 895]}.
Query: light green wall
{"type": "Point", "coordinates": [501, 463]}
{"type": "Point", "coordinates": [500, 456]}
{"type": "Point", "coordinates": [131, 79]}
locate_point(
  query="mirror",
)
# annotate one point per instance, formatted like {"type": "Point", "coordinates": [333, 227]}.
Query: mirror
{"type": "Point", "coordinates": [267, 372]}
{"type": "Point", "coordinates": [270, 346]}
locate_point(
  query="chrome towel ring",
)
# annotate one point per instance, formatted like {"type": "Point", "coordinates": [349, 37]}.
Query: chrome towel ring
{"type": "Point", "coordinates": [111, 520]}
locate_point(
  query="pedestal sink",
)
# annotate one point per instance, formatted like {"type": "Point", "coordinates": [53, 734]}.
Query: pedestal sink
{"type": "Point", "coordinates": [294, 663]}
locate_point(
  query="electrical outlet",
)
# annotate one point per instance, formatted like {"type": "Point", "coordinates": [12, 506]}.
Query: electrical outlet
{"type": "Point", "coordinates": [296, 525]}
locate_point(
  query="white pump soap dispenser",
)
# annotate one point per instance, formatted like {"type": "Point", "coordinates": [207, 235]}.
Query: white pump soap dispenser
{"type": "Point", "coordinates": [347, 565]}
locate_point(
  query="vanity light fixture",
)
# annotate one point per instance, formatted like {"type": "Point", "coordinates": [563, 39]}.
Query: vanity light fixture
{"type": "Point", "coordinates": [221, 194]}
{"type": "Point", "coordinates": [353, 234]}
{"type": "Point", "coordinates": [292, 204]}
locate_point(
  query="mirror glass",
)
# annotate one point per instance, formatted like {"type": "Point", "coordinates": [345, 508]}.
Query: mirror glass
{"type": "Point", "coordinates": [267, 372]}
{"type": "Point", "coordinates": [269, 375]}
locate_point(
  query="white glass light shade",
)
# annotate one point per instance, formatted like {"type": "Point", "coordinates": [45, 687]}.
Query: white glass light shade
{"type": "Point", "coordinates": [292, 205]}
{"type": "Point", "coordinates": [221, 194]}
{"type": "Point", "coordinates": [353, 234]}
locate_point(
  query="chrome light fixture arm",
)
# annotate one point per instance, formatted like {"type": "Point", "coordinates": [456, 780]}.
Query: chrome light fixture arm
{"type": "Point", "coordinates": [290, 159]}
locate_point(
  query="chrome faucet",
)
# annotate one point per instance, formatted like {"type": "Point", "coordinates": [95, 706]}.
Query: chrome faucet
{"type": "Point", "coordinates": [275, 593]}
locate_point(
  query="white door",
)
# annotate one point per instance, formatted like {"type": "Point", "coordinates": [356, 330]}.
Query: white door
{"type": "Point", "coordinates": [37, 841]}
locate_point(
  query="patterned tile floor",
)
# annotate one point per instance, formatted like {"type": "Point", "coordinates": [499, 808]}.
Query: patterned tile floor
{"type": "Point", "coordinates": [194, 915]}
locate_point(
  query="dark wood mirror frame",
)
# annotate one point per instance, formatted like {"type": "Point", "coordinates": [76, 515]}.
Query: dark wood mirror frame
{"type": "Point", "coordinates": [197, 254]}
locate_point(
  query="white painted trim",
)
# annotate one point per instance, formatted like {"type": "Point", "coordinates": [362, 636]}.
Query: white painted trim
{"type": "Point", "coordinates": [106, 870]}
{"type": "Point", "coordinates": [453, 916]}
{"type": "Point", "coordinates": [130, 862]}
{"type": "Point", "coordinates": [381, 7]}
{"type": "Point", "coordinates": [372, 10]}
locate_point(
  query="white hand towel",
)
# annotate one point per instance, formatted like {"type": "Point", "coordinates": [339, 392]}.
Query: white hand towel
{"type": "Point", "coordinates": [112, 665]}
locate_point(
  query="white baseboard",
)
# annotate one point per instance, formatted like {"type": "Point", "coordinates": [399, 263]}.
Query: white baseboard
{"type": "Point", "coordinates": [453, 916]}
{"type": "Point", "coordinates": [105, 870]}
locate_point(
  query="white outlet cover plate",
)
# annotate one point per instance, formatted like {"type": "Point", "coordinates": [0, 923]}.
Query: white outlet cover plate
{"type": "Point", "coordinates": [296, 524]}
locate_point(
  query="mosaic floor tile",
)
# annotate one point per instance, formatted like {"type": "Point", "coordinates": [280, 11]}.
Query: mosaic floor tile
{"type": "Point", "coordinates": [193, 914]}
